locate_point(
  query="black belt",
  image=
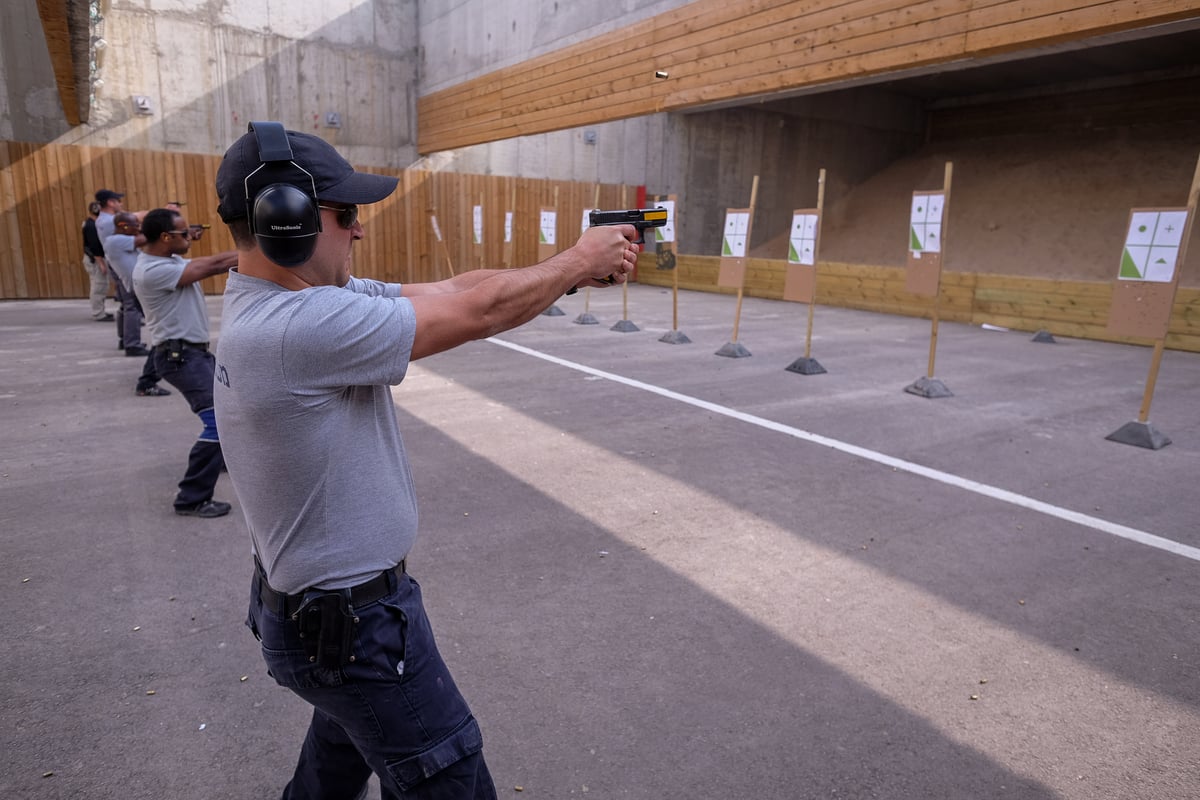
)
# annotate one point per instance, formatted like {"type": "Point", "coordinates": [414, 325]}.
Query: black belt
{"type": "Point", "coordinates": [176, 344]}
{"type": "Point", "coordinates": [285, 605]}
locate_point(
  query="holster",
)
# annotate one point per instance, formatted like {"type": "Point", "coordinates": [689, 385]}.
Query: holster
{"type": "Point", "coordinates": [327, 628]}
{"type": "Point", "coordinates": [174, 348]}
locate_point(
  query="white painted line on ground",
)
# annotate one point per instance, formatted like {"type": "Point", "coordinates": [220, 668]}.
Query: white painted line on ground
{"type": "Point", "coordinates": [994, 492]}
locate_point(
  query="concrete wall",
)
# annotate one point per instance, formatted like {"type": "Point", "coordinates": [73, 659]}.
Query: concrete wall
{"type": "Point", "coordinates": [851, 134]}
{"type": "Point", "coordinates": [208, 68]}
{"type": "Point", "coordinates": [30, 109]}
{"type": "Point", "coordinates": [462, 39]}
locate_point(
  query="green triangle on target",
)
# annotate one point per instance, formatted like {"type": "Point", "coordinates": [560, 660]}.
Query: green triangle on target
{"type": "Point", "coordinates": [726, 250]}
{"type": "Point", "coordinates": [1128, 267]}
{"type": "Point", "coordinates": [914, 243]}
{"type": "Point", "coordinates": [793, 256]}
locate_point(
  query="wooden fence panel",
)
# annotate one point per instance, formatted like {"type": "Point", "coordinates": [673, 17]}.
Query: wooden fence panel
{"type": "Point", "coordinates": [45, 191]}
{"type": "Point", "coordinates": [12, 281]}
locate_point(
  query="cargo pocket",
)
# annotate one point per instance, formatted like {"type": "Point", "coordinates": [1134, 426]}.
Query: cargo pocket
{"type": "Point", "coordinates": [466, 740]}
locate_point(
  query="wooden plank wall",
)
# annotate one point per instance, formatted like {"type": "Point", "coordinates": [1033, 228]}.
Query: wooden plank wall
{"type": "Point", "coordinates": [717, 51]}
{"type": "Point", "coordinates": [1077, 309]}
{"type": "Point", "coordinates": [44, 193]}
{"type": "Point", "coordinates": [45, 189]}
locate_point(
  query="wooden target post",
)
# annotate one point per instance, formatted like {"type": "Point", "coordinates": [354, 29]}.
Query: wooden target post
{"type": "Point", "coordinates": [587, 317]}
{"type": "Point", "coordinates": [477, 231]}
{"type": "Point", "coordinates": [735, 241]}
{"type": "Point", "coordinates": [507, 253]}
{"type": "Point", "coordinates": [548, 242]}
{"type": "Point", "coordinates": [439, 242]}
{"type": "Point", "coordinates": [664, 259]}
{"type": "Point", "coordinates": [926, 250]}
{"type": "Point", "coordinates": [624, 325]}
{"type": "Point", "coordinates": [800, 281]}
{"type": "Point", "coordinates": [1144, 294]}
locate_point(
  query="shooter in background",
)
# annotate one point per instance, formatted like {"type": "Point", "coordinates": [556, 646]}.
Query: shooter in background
{"type": "Point", "coordinates": [111, 203]}
{"type": "Point", "coordinates": [94, 265]}
{"type": "Point", "coordinates": [194, 230]}
{"type": "Point", "coordinates": [305, 369]}
{"type": "Point", "coordinates": [168, 287]}
{"type": "Point", "coordinates": [122, 258]}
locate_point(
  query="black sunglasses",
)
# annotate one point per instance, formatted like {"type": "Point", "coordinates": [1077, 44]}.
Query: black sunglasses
{"type": "Point", "coordinates": [347, 215]}
{"type": "Point", "coordinates": [177, 233]}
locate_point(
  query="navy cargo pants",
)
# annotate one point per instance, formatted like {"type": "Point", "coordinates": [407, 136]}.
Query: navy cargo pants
{"type": "Point", "coordinates": [193, 377]}
{"type": "Point", "coordinates": [393, 710]}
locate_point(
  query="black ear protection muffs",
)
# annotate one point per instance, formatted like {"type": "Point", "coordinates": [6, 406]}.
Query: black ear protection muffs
{"type": "Point", "coordinates": [283, 217]}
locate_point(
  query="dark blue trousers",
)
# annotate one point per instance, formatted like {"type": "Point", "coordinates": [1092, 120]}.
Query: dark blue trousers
{"type": "Point", "coordinates": [129, 314]}
{"type": "Point", "coordinates": [394, 710]}
{"type": "Point", "coordinates": [193, 377]}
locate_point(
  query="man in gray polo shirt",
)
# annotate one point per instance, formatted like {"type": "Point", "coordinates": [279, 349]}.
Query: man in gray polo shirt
{"type": "Point", "coordinates": [307, 359]}
{"type": "Point", "coordinates": [168, 287]}
{"type": "Point", "coordinates": [123, 249]}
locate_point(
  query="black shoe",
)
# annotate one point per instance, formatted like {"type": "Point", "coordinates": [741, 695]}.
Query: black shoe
{"type": "Point", "coordinates": [137, 352]}
{"type": "Point", "coordinates": [106, 318]}
{"type": "Point", "coordinates": [152, 391]}
{"type": "Point", "coordinates": [208, 509]}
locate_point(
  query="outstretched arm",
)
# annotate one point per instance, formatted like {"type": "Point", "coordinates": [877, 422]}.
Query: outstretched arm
{"type": "Point", "coordinates": [450, 313]}
{"type": "Point", "coordinates": [200, 268]}
{"type": "Point", "coordinates": [459, 283]}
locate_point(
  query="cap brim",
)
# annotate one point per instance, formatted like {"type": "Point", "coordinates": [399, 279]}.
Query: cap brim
{"type": "Point", "coordinates": [360, 188]}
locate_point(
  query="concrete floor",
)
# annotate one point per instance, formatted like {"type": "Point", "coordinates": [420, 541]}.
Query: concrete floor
{"type": "Point", "coordinates": [657, 573]}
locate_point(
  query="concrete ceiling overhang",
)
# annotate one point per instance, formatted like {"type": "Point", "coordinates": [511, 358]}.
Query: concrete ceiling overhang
{"type": "Point", "coordinates": [67, 29]}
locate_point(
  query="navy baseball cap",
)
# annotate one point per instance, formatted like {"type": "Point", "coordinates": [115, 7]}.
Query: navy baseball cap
{"type": "Point", "coordinates": [104, 195]}
{"type": "Point", "coordinates": [335, 180]}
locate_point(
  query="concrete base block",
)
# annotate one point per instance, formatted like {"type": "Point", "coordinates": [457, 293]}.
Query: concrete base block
{"type": "Point", "coordinates": [675, 337]}
{"type": "Point", "coordinates": [624, 326]}
{"type": "Point", "coordinates": [553, 311]}
{"type": "Point", "coordinates": [1043, 337]}
{"type": "Point", "coordinates": [733, 350]}
{"type": "Point", "coordinates": [806, 366]}
{"type": "Point", "coordinates": [1140, 434]}
{"type": "Point", "coordinates": [586, 318]}
{"type": "Point", "coordinates": [928, 387]}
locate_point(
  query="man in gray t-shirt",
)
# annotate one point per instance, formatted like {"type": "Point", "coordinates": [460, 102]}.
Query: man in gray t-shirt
{"type": "Point", "coordinates": [123, 246]}
{"type": "Point", "coordinates": [111, 204]}
{"type": "Point", "coordinates": [168, 287]}
{"type": "Point", "coordinates": [306, 361]}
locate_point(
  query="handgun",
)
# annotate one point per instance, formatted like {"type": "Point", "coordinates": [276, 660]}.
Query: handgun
{"type": "Point", "coordinates": [640, 218]}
